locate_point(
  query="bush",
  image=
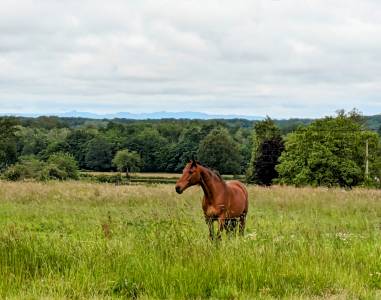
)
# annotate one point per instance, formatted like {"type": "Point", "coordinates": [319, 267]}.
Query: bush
{"type": "Point", "coordinates": [27, 167]}
{"type": "Point", "coordinates": [59, 166]}
{"type": "Point", "coordinates": [62, 166]}
{"type": "Point", "coordinates": [14, 172]}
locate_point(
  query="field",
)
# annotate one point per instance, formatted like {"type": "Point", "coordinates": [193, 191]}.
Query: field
{"type": "Point", "coordinates": [139, 178]}
{"type": "Point", "coordinates": [87, 240]}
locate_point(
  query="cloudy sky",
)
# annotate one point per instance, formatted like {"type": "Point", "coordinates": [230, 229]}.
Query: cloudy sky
{"type": "Point", "coordinates": [284, 58]}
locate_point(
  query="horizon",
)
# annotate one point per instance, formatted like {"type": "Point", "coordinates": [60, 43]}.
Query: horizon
{"type": "Point", "coordinates": [161, 115]}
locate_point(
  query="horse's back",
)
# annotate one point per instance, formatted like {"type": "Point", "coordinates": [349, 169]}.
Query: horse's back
{"type": "Point", "coordinates": [239, 196]}
{"type": "Point", "coordinates": [238, 185]}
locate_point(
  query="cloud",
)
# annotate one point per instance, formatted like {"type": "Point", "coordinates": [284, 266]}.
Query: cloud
{"type": "Point", "coordinates": [280, 58]}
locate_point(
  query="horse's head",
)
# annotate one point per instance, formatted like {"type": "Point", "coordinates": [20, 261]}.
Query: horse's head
{"type": "Point", "coordinates": [191, 176]}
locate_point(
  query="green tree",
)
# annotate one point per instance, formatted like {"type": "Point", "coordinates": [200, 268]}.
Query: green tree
{"type": "Point", "coordinates": [62, 166]}
{"type": "Point", "coordinates": [127, 161]}
{"type": "Point", "coordinates": [32, 141]}
{"type": "Point", "coordinates": [267, 147]}
{"type": "Point", "coordinates": [181, 152]}
{"type": "Point", "coordinates": [76, 144]}
{"type": "Point", "coordinates": [151, 146]}
{"type": "Point", "coordinates": [8, 152]}
{"type": "Point", "coordinates": [329, 152]}
{"type": "Point", "coordinates": [244, 139]}
{"type": "Point", "coordinates": [218, 150]}
{"type": "Point", "coordinates": [99, 154]}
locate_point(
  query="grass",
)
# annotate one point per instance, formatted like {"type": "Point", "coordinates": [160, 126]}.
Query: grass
{"type": "Point", "coordinates": [82, 240]}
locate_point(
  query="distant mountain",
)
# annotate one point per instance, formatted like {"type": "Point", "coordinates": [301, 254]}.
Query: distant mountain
{"type": "Point", "coordinates": [144, 116]}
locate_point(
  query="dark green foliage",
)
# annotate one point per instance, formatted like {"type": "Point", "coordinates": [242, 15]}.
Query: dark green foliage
{"type": "Point", "coordinates": [329, 152]}
{"type": "Point", "coordinates": [182, 152]}
{"type": "Point", "coordinates": [164, 145]}
{"type": "Point", "coordinates": [219, 151]}
{"type": "Point", "coordinates": [99, 154]}
{"type": "Point", "coordinates": [269, 152]}
{"type": "Point", "coordinates": [290, 125]}
{"type": "Point", "coordinates": [8, 151]}
{"type": "Point", "coordinates": [34, 141]}
{"type": "Point", "coordinates": [151, 147]}
{"type": "Point", "coordinates": [77, 145]}
{"type": "Point", "coordinates": [267, 147]}
{"type": "Point", "coordinates": [45, 122]}
{"type": "Point", "coordinates": [373, 122]}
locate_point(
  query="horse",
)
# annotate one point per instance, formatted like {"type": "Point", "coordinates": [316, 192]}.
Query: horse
{"type": "Point", "coordinates": [225, 202]}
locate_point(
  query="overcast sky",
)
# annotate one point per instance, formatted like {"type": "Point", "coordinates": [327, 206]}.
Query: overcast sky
{"type": "Point", "coordinates": [284, 58]}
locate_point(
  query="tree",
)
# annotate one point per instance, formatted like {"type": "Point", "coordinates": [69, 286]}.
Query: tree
{"type": "Point", "coordinates": [267, 147]}
{"type": "Point", "coordinates": [151, 146]}
{"type": "Point", "coordinates": [77, 145]}
{"type": "Point", "coordinates": [62, 166]}
{"type": "Point", "coordinates": [99, 154]}
{"type": "Point", "coordinates": [245, 144]}
{"type": "Point", "coordinates": [219, 151]}
{"type": "Point", "coordinates": [329, 152]}
{"type": "Point", "coordinates": [32, 141]}
{"type": "Point", "coordinates": [187, 147]}
{"type": "Point", "coordinates": [8, 152]}
{"type": "Point", "coordinates": [127, 161]}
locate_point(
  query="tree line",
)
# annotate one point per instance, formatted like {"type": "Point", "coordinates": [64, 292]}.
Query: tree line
{"type": "Point", "coordinates": [328, 151]}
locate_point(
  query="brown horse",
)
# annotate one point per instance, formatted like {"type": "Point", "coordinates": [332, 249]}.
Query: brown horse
{"type": "Point", "coordinates": [224, 202]}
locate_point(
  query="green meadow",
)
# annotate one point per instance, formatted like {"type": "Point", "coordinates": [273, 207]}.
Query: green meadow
{"type": "Point", "coordinates": [78, 240]}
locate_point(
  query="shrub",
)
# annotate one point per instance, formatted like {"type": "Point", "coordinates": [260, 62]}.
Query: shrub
{"type": "Point", "coordinates": [62, 166]}
{"type": "Point", "coordinates": [59, 166]}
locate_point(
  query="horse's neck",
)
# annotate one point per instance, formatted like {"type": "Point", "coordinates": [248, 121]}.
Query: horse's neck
{"type": "Point", "coordinates": [211, 184]}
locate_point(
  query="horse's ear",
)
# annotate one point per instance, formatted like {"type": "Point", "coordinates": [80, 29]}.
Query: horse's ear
{"type": "Point", "coordinates": [194, 162]}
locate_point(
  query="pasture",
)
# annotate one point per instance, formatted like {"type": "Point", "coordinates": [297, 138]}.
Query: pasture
{"type": "Point", "coordinates": [87, 240]}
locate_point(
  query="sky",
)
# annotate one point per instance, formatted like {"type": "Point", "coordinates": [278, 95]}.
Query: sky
{"type": "Point", "coordinates": [282, 58]}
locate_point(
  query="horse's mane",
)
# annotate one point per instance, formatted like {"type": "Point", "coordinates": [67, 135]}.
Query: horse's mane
{"type": "Point", "coordinates": [215, 172]}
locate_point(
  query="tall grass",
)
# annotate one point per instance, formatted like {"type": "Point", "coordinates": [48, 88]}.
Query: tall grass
{"type": "Point", "coordinates": [81, 240]}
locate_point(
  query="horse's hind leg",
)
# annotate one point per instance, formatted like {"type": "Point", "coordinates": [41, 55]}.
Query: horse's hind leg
{"type": "Point", "coordinates": [230, 226]}
{"type": "Point", "coordinates": [209, 221]}
{"type": "Point", "coordinates": [242, 224]}
{"type": "Point", "coordinates": [221, 226]}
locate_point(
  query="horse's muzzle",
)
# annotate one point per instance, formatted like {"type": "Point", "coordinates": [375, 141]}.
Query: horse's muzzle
{"type": "Point", "coordinates": [178, 190]}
